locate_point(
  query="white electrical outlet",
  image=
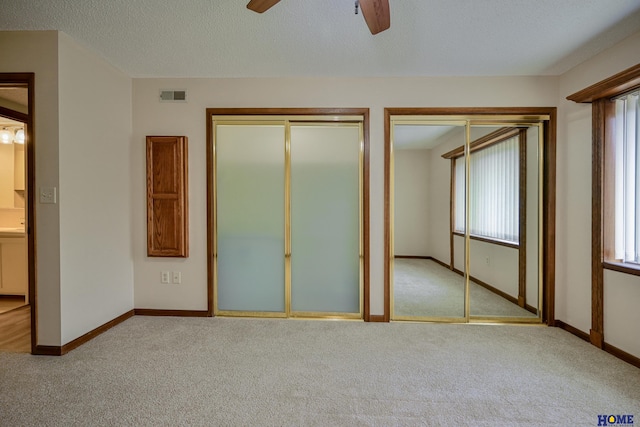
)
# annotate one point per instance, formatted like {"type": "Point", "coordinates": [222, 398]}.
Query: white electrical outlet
{"type": "Point", "coordinates": [177, 277]}
{"type": "Point", "coordinates": [486, 261]}
{"type": "Point", "coordinates": [48, 195]}
{"type": "Point", "coordinates": [164, 277]}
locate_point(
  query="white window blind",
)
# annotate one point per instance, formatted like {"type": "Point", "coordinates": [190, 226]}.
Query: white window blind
{"type": "Point", "coordinates": [459, 211]}
{"type": "Point", "coordinates": [494, 192]}
{"type": "Point", "coordinates": [627, 178]}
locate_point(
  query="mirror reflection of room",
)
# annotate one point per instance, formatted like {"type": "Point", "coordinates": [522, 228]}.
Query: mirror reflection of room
{"type": "Point", "coordinates": [430, 217]}
{"type": "Point", "coordinates": [503, 212]}
{"type": "Point", "coordinates": [13, 250]}
{"type": "Point", "coordinates": [423, 284]}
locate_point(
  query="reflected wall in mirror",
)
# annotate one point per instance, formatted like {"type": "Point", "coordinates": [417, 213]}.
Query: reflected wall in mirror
{"type": "Point", "coordinates": [12, 164]}
{"type": "Point", "coordinates": [503, 222]}
{"type": "Point", "coordinates": [466, 248]}
{"type": "Point", "coordinates": [423, 284]}
{"type": "Point", "coordinates": [13, 98]}
{"type": "Point", "coordinates": [16, 244]}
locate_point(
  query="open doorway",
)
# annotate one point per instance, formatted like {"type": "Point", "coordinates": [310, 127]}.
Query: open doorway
{"type": "Point", "coordinates": [17, 266]}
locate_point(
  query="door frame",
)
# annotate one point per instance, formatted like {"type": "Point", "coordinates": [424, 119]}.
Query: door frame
{"type": "Point", "coordinates": [28, 79]}
{"type": "Point", "coordinates": [266, 112]}
{"type": "Point", "coordinates": [548, 199]}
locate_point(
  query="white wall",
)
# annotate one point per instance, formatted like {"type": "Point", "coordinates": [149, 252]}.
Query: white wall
{"type": "Point", "coordinates": [440, 190]}
{"type": "Point", "coordinates": [502, 270]}
{"type": "Point", "coordinates": [411, 205]}
{"type": "Point", "coordinates": [6, 176]}
{"type": "Point", "coordinates": [151, 117]}
{"type": "Point", "coordinates": [440, 195]}
{"type": "Point", "coordinates": [82, 135]}
{"type": "Point", "coordinates": [621, 314]}
{"type": "Point", "coordinates": [573, 236]}
{"type": "Point", "coordinates": [13, 105]}
{"type": "Point", "coordinates": [96, 264]}
{"type": "Point", "coordinates": [37, 51]}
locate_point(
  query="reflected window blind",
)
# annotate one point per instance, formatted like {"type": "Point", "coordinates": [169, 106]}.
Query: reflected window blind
{"type": "Point", "coordinates": [627, 178]}
{"type": "Point", "coordinates": [494, 191]}
{"type": "Point", "coordinates": [459, 195]}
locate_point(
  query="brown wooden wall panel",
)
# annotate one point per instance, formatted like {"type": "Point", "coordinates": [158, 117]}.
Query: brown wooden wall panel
{"type": "Point", "coordinates": [166, 173]}
{"type": "Point", "coordinates": [167, 199]}
{"type": "Point", "coordinates": [166, 224]}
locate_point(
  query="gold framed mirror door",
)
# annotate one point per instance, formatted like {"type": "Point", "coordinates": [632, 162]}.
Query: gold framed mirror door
{"type": "Point", "coordinates": [465, 220]}
{"type": "Point", "coordinates": [288, 216]}
{"type": "Point", "coordinates": [412, 212]}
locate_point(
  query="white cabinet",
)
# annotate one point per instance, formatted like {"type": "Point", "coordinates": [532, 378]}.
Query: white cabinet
{"type": "Point", "coordinates": [13, 266]}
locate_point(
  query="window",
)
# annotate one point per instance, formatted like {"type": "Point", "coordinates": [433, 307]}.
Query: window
{"type": "Point", "coordinates": [616, 174]}
{"type": "Point", "coordinates": [612, 231]}
{"type": "Point", "coordinates": [627, 178]}
{"type": "Point", "coordinates": [494, 191]}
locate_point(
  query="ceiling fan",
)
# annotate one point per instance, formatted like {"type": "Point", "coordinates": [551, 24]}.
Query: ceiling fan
{"type": "Point", "coordinates": [376, 12]}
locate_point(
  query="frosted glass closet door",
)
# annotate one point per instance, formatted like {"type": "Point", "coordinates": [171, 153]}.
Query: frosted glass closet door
{"type": "Point", "coordinates": [250, 217]}
{"type": "Point", "coordinates": [325, 224]}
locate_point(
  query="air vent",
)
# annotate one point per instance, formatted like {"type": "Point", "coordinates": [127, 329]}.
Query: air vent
{"type": "Point", "coordinates": [173, 96]}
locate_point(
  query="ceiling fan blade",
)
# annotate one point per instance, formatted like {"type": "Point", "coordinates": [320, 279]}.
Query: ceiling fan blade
{"type": "Point", "coordinates": [261, 5]}
{"type": "Point", "coordinates": [376, 13]}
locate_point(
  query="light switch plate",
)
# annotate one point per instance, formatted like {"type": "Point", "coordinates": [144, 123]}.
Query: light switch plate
{"type": "Point", "coordinates": [48, 195]}
{"type": "Point", "coordinates": [164, 277]}
{"type": "Point", "coordinates": [177, 277]}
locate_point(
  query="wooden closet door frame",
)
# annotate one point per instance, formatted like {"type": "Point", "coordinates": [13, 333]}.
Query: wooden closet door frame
{"type": "Point", "coordinates": [548, 182]}
{"type": "Point", "coordinates": [266, 112]}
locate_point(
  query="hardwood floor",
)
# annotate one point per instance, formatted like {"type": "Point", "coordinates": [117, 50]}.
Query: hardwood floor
{"type": "Point", "coordinates": [15, 330]}
{"type": "Point", "coordinates": [8, 303]}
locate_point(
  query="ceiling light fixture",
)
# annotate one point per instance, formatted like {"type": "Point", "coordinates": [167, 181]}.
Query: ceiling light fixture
{"type": "Point", "coordinates": [19, 137]}
{"type": "Point", "coordinates": [12, 134]}
{"type": "Point", "coordinates": [5, 136]}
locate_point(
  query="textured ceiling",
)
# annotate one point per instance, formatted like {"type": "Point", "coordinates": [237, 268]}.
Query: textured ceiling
{"type": "Point", "coordinates": [221, 38]}
{"type": "Point", "coordinates": [421, 137]}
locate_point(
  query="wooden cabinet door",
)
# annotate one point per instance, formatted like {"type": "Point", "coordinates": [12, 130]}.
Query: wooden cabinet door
{"type": "Point", "coordinates": [167, 214]}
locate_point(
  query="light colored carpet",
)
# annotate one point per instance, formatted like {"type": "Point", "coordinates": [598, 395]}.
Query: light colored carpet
{"type": "Point", "coordinates": [422, 287]}
{"type": "Point", "coordinates": [277, 372]}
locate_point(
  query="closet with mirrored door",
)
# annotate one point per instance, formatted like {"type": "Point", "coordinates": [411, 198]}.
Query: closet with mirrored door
{"type": "Point", "coordinates": [287, 215]}
{"type": "Point", "coordinates": [466, 217]}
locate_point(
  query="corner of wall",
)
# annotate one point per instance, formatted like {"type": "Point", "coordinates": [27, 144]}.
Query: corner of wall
{"type": "Point", "coordinates": [95, 119]}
